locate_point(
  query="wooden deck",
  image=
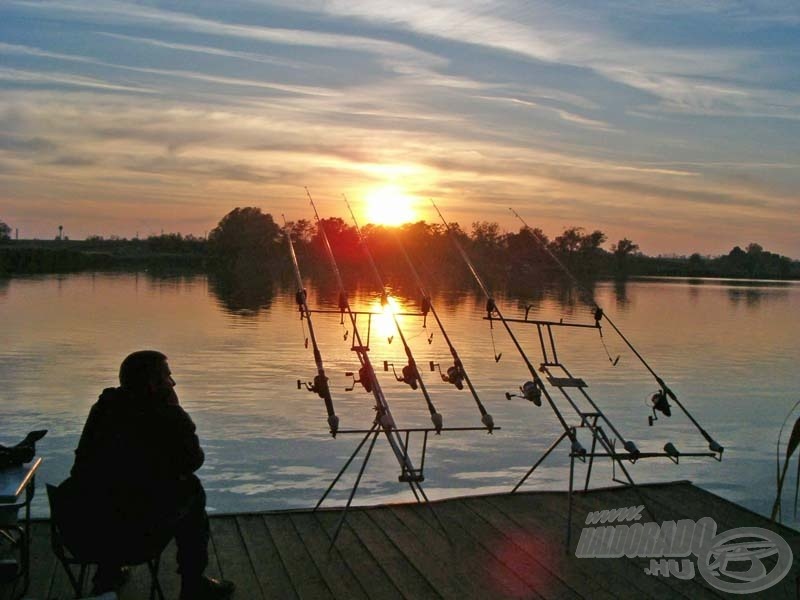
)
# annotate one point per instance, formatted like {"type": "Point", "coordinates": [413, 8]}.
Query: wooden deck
{"type": "Point", "coordinates": [498, 546]}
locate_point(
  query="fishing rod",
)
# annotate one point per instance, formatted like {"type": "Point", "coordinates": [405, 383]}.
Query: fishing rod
{"type": "Point", "coordinates": [659, 399]}
{"type": "Point", "coordinates": [320, 383]}
{"type": "Point", "coordinates": [457, 373]}
{"type": "Point", "coordinates": [532, 390]}
{"type": "Point", "coordinates": [410, 374]}
{"type": "Point", "coordinates": [367, 376]}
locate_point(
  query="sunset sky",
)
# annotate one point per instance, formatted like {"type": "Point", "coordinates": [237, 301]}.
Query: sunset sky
{"type": "Point", "coordinates": [673, 123]}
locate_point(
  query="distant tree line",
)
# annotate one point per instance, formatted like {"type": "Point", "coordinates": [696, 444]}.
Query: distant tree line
{"type": "Point", "coordinates": [525, 253]}
{"type": "Point", "coordinates": [248, 244]}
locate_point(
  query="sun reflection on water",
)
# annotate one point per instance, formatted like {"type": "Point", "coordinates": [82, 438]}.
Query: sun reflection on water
{"type": "Point", "coordinates": [383, 324]}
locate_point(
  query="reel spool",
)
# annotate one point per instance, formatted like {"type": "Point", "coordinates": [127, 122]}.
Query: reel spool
{"type": "Point", "coordinates": [530, 391]}
{"type": "Point", "coordinates": [363, 378]}
{"type": "Point", "coordinates": [659, 403]}
{"type": "Point", "coordinates": [454, 375]}
{"type": "Point", "coordinates": [408, 374]}
{"type": "Point", "coordinates": [319, 386]}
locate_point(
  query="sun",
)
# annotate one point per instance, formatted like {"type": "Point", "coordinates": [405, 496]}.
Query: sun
{"type": "Point", "coordinates": [389, 205]}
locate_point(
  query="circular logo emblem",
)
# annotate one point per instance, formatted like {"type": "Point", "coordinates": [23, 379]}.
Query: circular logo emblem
{"type": "Point", "coordinates": [732, 560]}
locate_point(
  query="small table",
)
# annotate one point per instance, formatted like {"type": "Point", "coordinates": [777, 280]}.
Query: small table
{"type": "Point", "coordinates": [14, 481]}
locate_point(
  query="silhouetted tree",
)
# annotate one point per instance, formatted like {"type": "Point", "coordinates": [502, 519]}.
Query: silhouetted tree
{"type": "Point", "coordinates": [487, 247]}
{"type": "Point", "coordinates": [736, 262]}
{"type": "Point", "coordinates": [623, 248]}
{"type": "Point", "coordinates": [754, 249]}
{"type": "Point", "coordinates": [343, 239]}
{"type": "Point", "coordinates": [696, 264]}
{"type": "Point", "coordinates": [485, 234]}
{"type": "Point", "coordinates": [591, 242]}
{"type": "Point", "coordinates": [5, 232]}
{"type": "Point", "coordinates": [525, 251]}
{"type": "Point", "coordinates": [621, 251]}
{"type": "Point", "coordinates": [302, 231]}
{"type": "Point", "coordinates": [580, 250]}
{"type": "Point", "coordinates": [568, 242]}
{"type": "Point", "coordinates": [245, 240]}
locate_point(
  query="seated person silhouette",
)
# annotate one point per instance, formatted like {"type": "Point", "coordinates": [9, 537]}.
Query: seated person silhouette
{"type": "Point", "coordinates": [132, 487]}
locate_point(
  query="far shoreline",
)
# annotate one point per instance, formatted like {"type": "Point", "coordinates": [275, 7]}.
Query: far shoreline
{"type": "Point", "coordinates": [172, 252]}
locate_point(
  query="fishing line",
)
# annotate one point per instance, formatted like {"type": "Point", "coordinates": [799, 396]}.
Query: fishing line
{"type": "Point", "coordinates": [303, 329]}
{"type": "Point", "coordinates": [536, 388]}
{"type": "Point", "coordinates": [369, 379]}
{"type": "Point", "coordinates": [599, 314]}
{"type": "Point", "coordinates": [456, 374]}
{"type": "Point", "coordinates": [320, 383]}
{"type": "Point", "coordinates": [497, 356]}
{"type": "Point", "coordinates": [410, 373]}
{"type": "Point", "coordinates": [613, 361]}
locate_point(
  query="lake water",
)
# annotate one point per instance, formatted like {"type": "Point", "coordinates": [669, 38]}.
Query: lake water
{"type": "Point", "coordinates": [729, 350]}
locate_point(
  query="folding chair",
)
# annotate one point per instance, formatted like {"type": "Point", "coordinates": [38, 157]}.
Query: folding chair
{"type": "Point", "coordinates": [71, 557]}
{"type": "Point", "coordinates": [15, 534]}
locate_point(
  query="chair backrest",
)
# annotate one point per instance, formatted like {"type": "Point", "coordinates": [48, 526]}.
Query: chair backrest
{"type": "Point", "coordinates": [56, 540]}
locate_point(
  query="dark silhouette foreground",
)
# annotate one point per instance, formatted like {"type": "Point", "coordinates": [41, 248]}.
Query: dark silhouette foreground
{"type": "Point", "coordinates": [132, 487]}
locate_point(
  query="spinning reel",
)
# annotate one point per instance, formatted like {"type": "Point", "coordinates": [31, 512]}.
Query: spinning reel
{"type": "Point", "coordinates": [319, 386]}
{"type": "Point", "coordinates": [408, 374]}
{"type": "Point", "coordinates": [531, 391]}
{"type": "Point", "coordinates": [363, 378]}
{"type": "Point", "coordinates": [454, 374]}
{"type": "Point", "coordinates": [659, 403]}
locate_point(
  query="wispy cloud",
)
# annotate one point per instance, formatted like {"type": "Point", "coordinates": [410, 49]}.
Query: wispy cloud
{"type": "Point", "coordinates": [210, 50]}
{"type": "Point", "coordinates": [100, 11]}
{"type": "Point", "coordinates": [586, 39]}
{"type": "Point", "coordinates": [565, 115]}
{"type": "Point", "coordinates": [620, 114]}
{"type": "Point", "coordinates": [34, 77]}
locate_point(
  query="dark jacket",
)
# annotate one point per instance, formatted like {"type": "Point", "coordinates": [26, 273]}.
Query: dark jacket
{"type": "Point", "coordinates": [133, 451]}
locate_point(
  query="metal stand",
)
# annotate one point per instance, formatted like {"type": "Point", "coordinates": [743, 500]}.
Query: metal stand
{"type": "Point", "coordinates": [413, 478]}
{"type": "Point", "coordinates": [14, 482]}
{"type": "Point", "coordinates": [592, 420]}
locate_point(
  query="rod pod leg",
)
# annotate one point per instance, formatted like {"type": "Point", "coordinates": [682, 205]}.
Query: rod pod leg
{"type": "Point", "coordinates": [538, 462]}
{"type": "Point", "coordinates": [346, 465]}
{"type": "Point", "coordinates": [353, 491]}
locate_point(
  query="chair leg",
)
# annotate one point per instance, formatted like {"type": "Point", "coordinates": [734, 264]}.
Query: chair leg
{"type": "Point", "coordinates": [80, 583]}
{"type": "Point", "coordinates": [155, 584]}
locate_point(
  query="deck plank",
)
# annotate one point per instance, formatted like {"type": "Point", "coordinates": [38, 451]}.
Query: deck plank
{"type": "Point", "coordinates": [689, 502]}
{"type": "Point", "coordinates": [544, 535]}
{"type": "Point", "coordinates": [550, 510]}
{"type": "Point", "coordinates": [305, 577]}
{"type": "Point", "coordinates": [507, 582]}
{"type": "Point", "coordinates": [363, 564]}
{"type": "Point", "coordinates": [43, 561]}
{"type": "Point", "coordinates": [535, 546]}
{"type": "Point", "coordinates": [403, 574]}
{"type": "Point", "coordinates": [496, 546]}
{"type": "Point", "coordinates": [271, 573]}
{"type": "Point", "coordinates": [694, 503]}
{"type": "Point", "coordinates": [441, 573]}
{"type": "Point", "coordinates": [507, 553]}
{"type": "Point", "coordinates": [464, 562]}
{"type": "Point", "coordinates": [234, 561]}
{"type": "Point", "coordinates": [584, 503]}
{"type": "Point", "coordinates": [329, 562]}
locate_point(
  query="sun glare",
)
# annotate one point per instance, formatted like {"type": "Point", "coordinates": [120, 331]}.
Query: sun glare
{"type": "Point", "coordinates": [382, 319]}
{"type": "Point", "coordinates": [389, 205]}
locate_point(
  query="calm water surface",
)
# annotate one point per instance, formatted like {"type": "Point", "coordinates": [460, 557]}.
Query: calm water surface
{"type": "Point", "coordinates": [728, 349]}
